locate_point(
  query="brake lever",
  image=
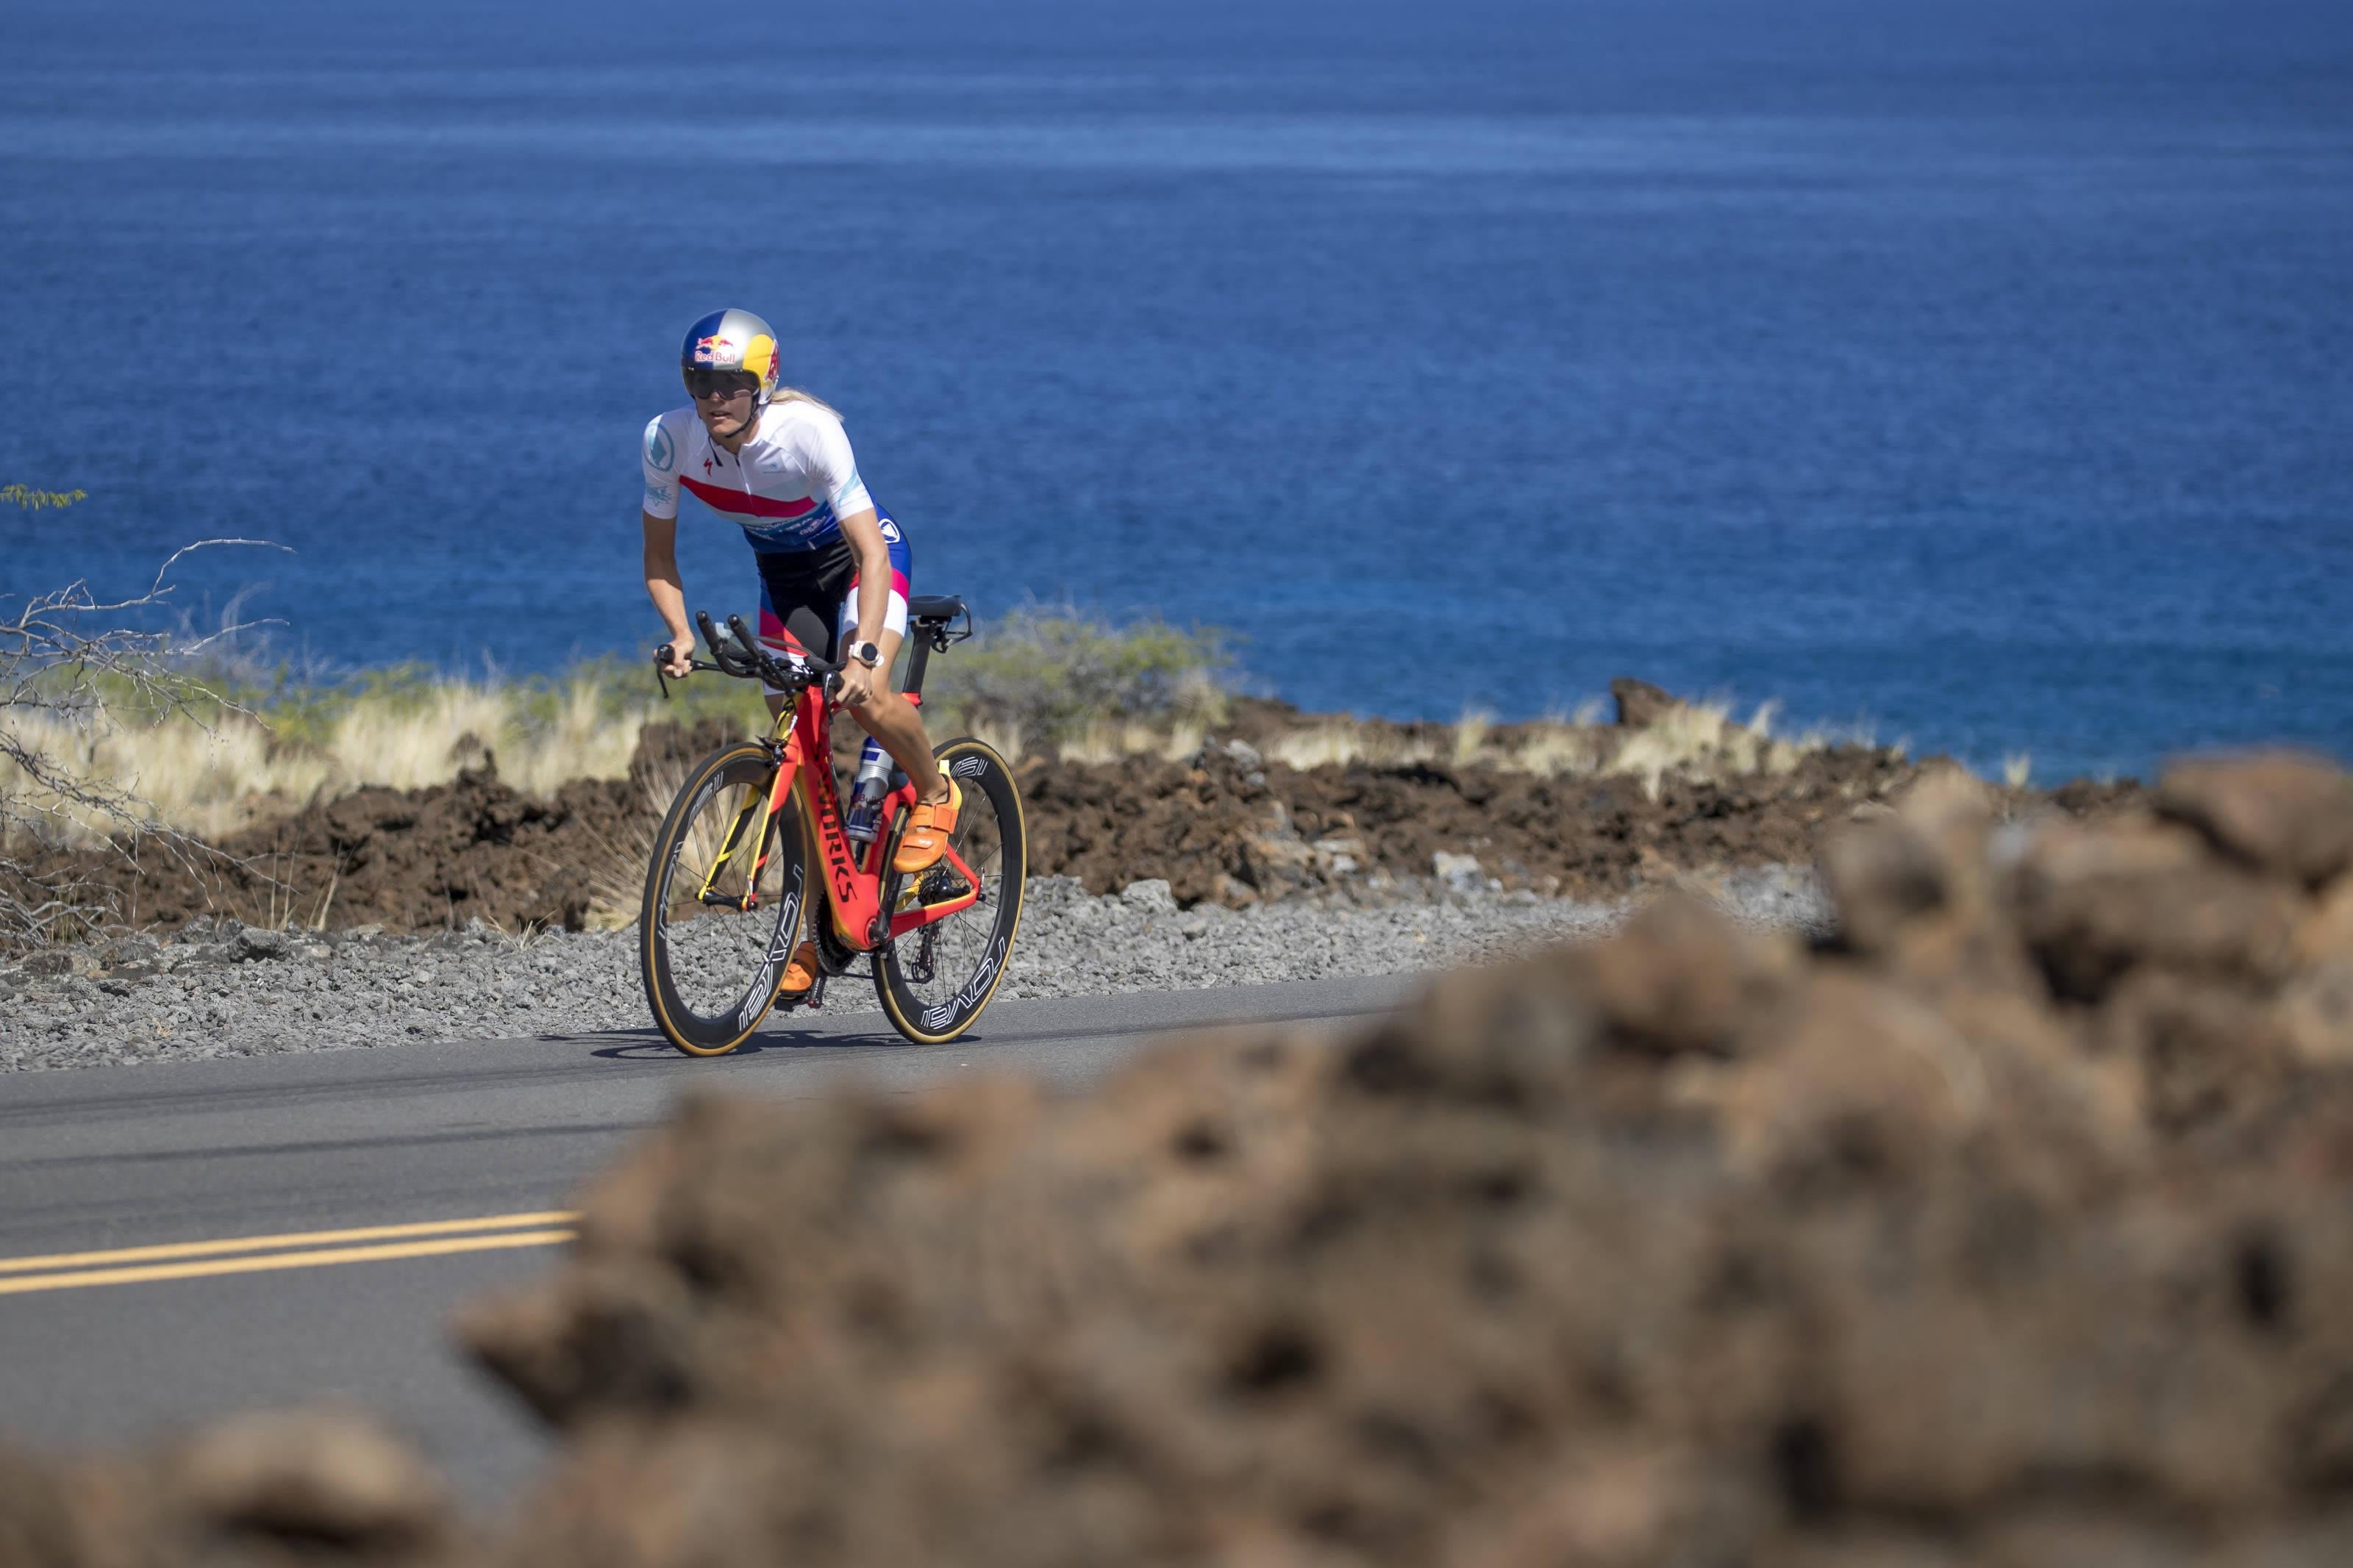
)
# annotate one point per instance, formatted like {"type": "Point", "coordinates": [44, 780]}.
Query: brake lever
{"type": "Point", "coordinates": [661, 667]}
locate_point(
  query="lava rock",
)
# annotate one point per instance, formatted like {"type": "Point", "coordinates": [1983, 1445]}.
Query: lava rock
{"type": "Point", "coordinates": [256, 943]}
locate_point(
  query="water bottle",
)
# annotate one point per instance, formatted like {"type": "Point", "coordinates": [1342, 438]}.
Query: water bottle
{"type": "Point", "coordinates": [863, 819]}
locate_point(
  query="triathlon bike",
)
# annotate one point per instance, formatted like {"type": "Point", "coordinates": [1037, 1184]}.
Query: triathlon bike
{"type": "Point", "coordinates": [755, 847]}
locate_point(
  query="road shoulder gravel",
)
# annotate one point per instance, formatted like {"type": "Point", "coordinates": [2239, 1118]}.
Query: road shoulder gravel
{"type": "Point", "coordinates": [221, 989]}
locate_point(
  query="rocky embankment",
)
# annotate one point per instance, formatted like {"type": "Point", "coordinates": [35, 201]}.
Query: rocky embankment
{"type": "Point", "coordinates": [2010, 1228]}
{"type": "Point", "coordinates": [1227, 826]}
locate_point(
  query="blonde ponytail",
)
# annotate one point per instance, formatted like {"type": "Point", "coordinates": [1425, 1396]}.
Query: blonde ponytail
{"type": "Point", "coordinates": [794, 395]}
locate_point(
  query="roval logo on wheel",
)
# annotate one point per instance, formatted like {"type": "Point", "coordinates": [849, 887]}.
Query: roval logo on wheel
{"type": "Point", "coordinates": [969, 767]}
{"type": "Point", "coordinates": [978, 986]}
{"type": "Point", "coordinates": [780, 948]}
{"type": "Point", "coordinates": [939, 1018]}
{"type": "Point", "coordinates": [780, 945]}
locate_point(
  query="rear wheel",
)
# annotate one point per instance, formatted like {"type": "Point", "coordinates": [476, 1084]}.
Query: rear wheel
{"type": "Point", "coordinates": [718, 923]}
{"type": "Point", "coordinates": [935, 980]}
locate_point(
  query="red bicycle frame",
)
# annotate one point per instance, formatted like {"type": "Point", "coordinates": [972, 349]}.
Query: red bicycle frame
{"type": "Point", "coordinates": [852, 872]}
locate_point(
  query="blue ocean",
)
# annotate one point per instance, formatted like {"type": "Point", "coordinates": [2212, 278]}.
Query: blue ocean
{"type": "Point", "coordinates": [1979, 371]}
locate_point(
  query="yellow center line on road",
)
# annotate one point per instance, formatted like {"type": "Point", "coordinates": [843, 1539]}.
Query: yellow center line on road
{"type": "Point", "coordinates": [297, 1249]}
{"type": "Point", "coordinates": [320, 1259]}
{"type": "Point", "coordinates": [296, 1238]}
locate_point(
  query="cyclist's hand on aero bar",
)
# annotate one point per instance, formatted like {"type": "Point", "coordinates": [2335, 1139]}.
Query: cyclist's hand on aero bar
{"type": "Point", "coordinates": [854, 687]}
{"type": "Point", "coordinates": [681, 662]}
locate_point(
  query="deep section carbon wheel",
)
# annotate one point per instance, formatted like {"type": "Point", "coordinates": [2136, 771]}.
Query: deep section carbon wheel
{"type": "Point", "coordinates": [935, 981]}
{"type": "Point", "coordinates": [723, 903]}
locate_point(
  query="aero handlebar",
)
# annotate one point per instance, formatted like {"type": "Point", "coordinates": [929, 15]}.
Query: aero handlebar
{"type": "Point", "coordinates": [735, 651]}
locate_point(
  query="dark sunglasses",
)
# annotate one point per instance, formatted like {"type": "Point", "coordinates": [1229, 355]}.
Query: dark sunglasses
{"type": "Point", "coordinates": [702, 384]}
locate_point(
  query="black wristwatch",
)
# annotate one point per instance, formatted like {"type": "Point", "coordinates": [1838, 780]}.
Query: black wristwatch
{"type": "Point", "coordinates": [866, 653]}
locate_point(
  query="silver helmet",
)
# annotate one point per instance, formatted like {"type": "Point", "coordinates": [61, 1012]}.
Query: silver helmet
{"type": "Point", "coordinates": [732, 339]}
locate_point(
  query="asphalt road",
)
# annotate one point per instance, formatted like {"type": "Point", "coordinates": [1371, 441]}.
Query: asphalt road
{"type": "Point", "coordinates": [181, 1241]}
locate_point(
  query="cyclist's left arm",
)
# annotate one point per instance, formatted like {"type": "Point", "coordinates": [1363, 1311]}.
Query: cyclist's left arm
{"type": "Point", "coordinates": [863, 530]}
{"type": "Point", "coordinates": [834, 468]}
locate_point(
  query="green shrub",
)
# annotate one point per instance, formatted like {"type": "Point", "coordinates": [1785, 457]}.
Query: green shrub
{"type": "Point", "coordinates": [31, 500]}
{"type": "Point", "coordinates": [1046, 675]}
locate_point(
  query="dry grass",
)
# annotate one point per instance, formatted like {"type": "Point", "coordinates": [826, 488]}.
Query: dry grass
{"type": "Point", "coordinates": [211, 777]}
{"type": "Point", "coordinates": [200, 779]}
{"type": "Point", "coordinates": [1556, 746]}
{"type": "Point", "coordinates": [616, 873]}
{"type": "Point", "coordinates": [1700, 740]}
{"type": "Point", "coordinates": [412, 745]}
{"type": "Point", "coordinates": [1693, 740]}
{"type": "Point", "coordinates": [408, 731]}
{"type": "Point", "coordinates": [1471, 738]}
{"type": "Point", "coordinates": [1335, 742]}
{"type": "Point", "coordinates": [1108, 741]}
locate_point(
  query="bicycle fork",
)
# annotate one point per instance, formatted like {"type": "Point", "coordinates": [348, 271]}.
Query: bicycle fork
{"type": "Point", "coordinates": [764, 807]}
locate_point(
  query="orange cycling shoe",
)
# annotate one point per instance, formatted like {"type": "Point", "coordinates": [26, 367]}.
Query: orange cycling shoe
{"type": "Point", "coordinates": [926, 839]}
{"type": "Point", "coordinates": [800, 974]}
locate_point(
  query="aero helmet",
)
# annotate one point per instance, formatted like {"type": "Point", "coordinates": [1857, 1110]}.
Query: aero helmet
{"type": "Point", "coordinates": [733, 340]}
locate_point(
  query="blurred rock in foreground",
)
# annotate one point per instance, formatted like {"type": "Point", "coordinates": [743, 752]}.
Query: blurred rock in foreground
{"type": "Point", "coordinates": [277, 1488]}
{"type": "Point", "coordinates": [2016, 1230]}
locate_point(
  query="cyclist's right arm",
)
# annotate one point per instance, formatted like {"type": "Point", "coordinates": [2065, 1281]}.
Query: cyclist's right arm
{"type": "Point", "coordinates": [663, 587]}
{"type": "Point", "coordinates": [659, 519]}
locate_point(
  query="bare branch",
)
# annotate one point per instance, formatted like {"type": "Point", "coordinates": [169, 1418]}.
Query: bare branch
{"type": "Point", "coordinates": [71, 665]}
{"type": "Point", "coordinates": [174, 559]}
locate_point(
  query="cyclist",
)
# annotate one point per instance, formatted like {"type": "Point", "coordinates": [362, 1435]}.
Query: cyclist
{"type": "Point", "coordinates": [833, 565]}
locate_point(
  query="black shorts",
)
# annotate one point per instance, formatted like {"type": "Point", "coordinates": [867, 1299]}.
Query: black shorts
{"type": "Point", "coordinates": [808, 599]}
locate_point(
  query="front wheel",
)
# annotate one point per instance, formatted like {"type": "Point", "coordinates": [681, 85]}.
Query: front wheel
{"type": "Point", "coordinates": [722, 903]}
{"type": "Point", "coordinates": [935, 980]}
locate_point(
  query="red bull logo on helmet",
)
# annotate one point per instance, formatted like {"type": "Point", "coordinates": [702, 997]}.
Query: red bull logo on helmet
{"type": "Point", "coordinates": [714, 351]}
{"type": "Point", "coordinates": [760, 359]}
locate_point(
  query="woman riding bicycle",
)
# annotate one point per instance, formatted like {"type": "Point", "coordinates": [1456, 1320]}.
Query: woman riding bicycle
{"type": "Point", "coordinates": [833, 565]}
